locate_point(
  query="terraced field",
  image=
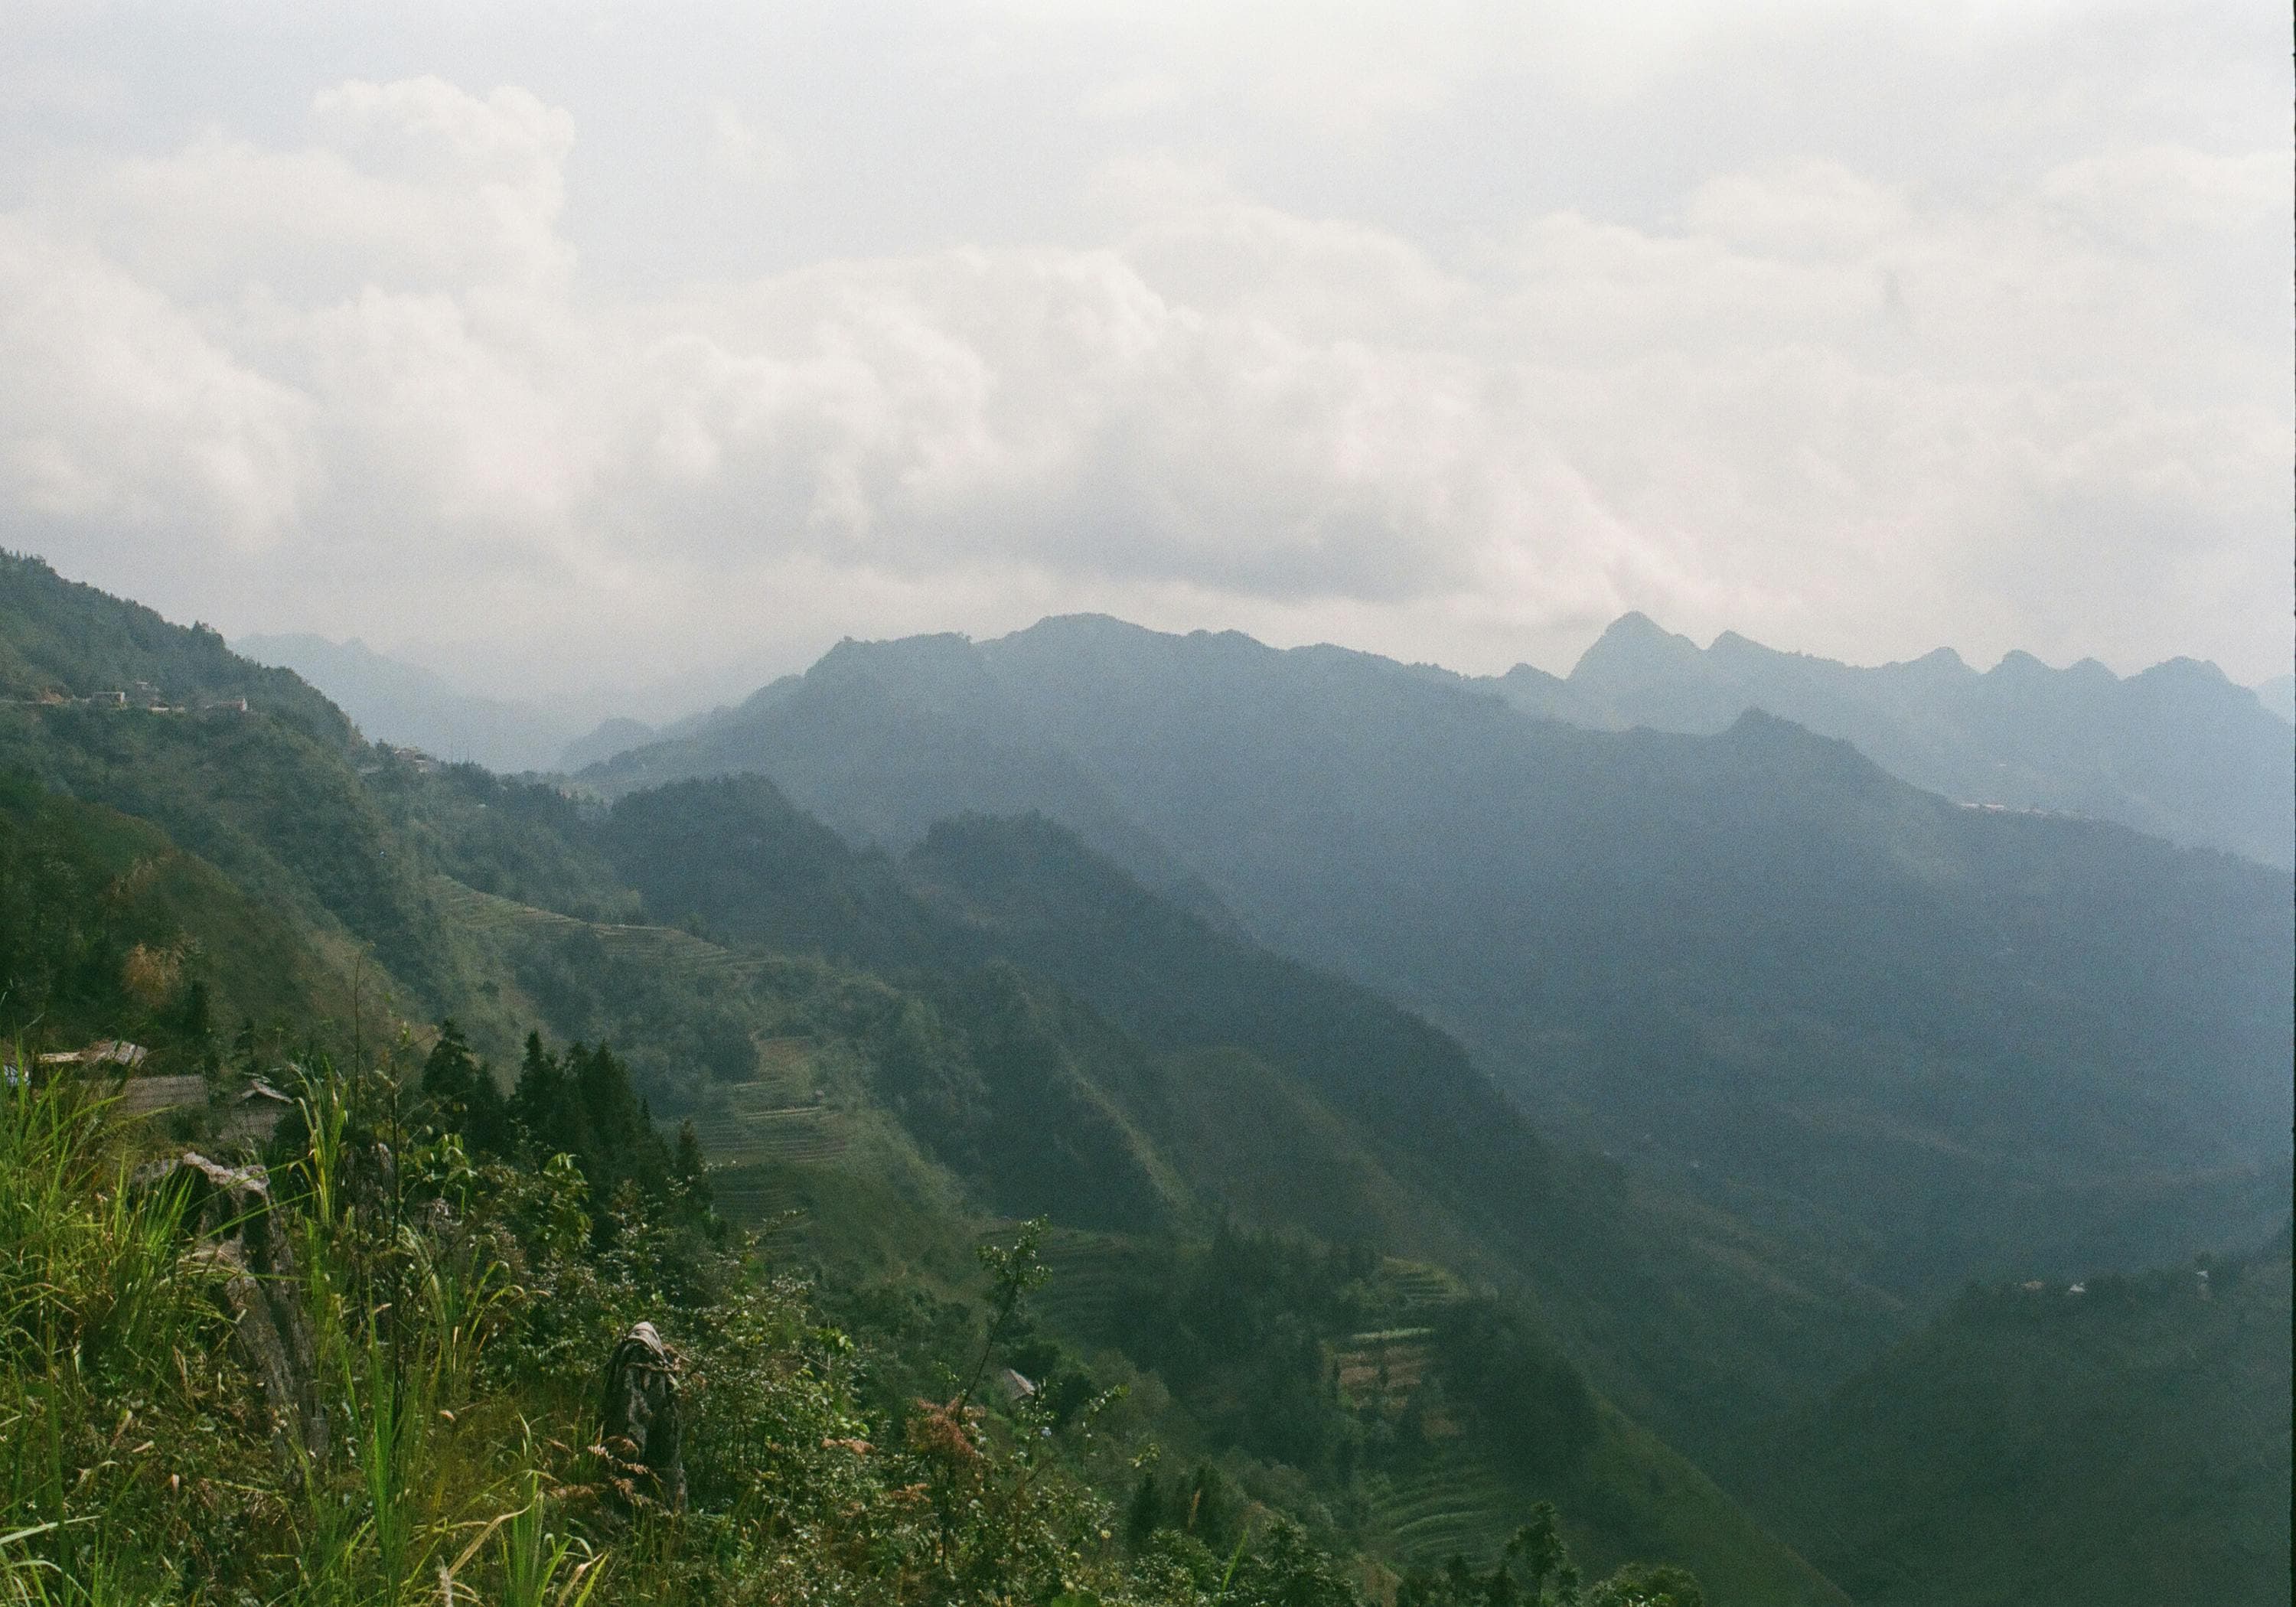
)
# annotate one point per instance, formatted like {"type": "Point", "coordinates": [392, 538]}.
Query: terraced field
{"type": "Point", "coordinates": [1381, 1370]}
{"type": "Point", "coordinates": [1415, 1286]}
{"type": "Point", "coordinates": [755, 1197]}
{"type": "Point", "coordinates": [1454, 1503]}
{"type": "Point", "coordinates": [1089, 1271]}
{"type": "Point", "coordinates": [779, 1115]}
{"type": "Point", "coordinates": [751, 1131]}
{"type": "Point", "coordinates": [680, 952]}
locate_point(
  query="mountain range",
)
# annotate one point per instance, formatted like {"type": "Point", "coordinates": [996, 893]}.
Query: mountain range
{"type": "Point", "coordinates": [1944, 1039]}
{"type": "Point", "coordinates": [1303, 993]}
{"type": "Point", "coordinates": [2179, 750]}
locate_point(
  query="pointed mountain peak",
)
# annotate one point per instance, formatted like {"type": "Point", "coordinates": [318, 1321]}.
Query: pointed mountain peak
{"type": "Point", "coordinates": [1636, 645]}
{"type": "Point", "coordinates": [2187, 672]}
{"type": "Point", "coordinates": [1635, 625]}
{"type": "Point", "coordinates": [2017, 662]}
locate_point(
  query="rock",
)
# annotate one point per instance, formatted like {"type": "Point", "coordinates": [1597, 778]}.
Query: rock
{"type": "Point", "coordinates": [643, 1441]}
{"type": "Point", "coordinates": [228, 1210]}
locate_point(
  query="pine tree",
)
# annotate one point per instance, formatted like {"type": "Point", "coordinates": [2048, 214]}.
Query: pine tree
{"type": "Point", "coordinates": [461, 1091]}
{"type": "Point", "coordinates": [690, 1172]}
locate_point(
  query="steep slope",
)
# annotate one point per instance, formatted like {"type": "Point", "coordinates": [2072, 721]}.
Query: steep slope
{"type": "Point", "coordinates": [60, 639]}
{"type": "Point", "coordinates": [109, 929]}
{"type": "Point", "coordinates": [1025, 1099]}
{"type": "Point", "coordinates": [403, 703]}
{"type": "Point", "coordinates": [2123, 1442]}
{"type": "Point", "coordinates": [1287, 1095]}
{"type": "Point", "coordinates": [2179, 750]}
{"type": "Point", "coordinates": [1941, 1038]}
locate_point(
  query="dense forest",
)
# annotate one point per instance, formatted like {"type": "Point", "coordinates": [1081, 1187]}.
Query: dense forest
{"type": "Point", "coordinates": [1014, 1223]}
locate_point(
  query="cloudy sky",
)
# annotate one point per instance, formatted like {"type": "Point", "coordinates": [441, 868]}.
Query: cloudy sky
{"type": "Point", "coordinates": [621, 346]}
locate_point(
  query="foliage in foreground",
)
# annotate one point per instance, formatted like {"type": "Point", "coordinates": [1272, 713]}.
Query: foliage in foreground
{"type": "Point", "coordinates": [452, 1303]}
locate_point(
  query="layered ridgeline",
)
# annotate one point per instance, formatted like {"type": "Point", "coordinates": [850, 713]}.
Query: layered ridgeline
{"type": "Point", "coordinates": [402, 704]}
{"type": "Point", "coordinates": [875, 1080]}
{"type": "Point", "coordinates": [1938, 1040]}
{"type": "Point", "coordinates": [876, 1050]}
{"type": "Point", "coordinates": [2179, 751]}
{"type": "Point", "coordinates": [1263, 1089]}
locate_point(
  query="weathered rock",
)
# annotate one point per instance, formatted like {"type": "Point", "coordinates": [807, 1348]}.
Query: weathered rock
{"type": "Point", "coordinates": [642, 1438]}
{"type": "Point", "coordinates": [229, 1211]}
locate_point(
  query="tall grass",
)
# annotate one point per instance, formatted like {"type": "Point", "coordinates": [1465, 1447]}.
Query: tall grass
{"type": "Point", "coordinates": [97, 1309]}
{"type": "Point", "coordinates": [134, 1466]}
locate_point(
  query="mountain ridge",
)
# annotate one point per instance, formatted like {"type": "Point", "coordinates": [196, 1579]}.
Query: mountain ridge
{"type": "Point", "coordinates": [2176, 750]}
{"type": "Point", "coordinates": [394, 701]}
{"type": "Point", "coordinates": [1584, 908]}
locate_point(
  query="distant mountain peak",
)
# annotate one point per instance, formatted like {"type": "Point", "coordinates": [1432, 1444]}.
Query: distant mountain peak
{"type": "Point", "coordinates": [1090, 621]}
{"type": "Point", "coordinates": [1635, 625]}
{"type": "Point", "coordinates": [2017, 662]}
{"type": "Point", "coordinates": [1083, 629]}
{"type": "Point", "coordinates": [2194, 672]}
{"type": "Point", "coordinates": [941, 649]}
{"type": "Point", "coordinates": [1940, 659]}
{"type": "Point", "coordinates": [1634, 645]}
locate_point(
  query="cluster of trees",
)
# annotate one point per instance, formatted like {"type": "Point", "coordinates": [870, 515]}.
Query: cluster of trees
{"type": "Point", "coordinates": [1243, 1327]}
{"type": "Point", "coordinates": [1535, 1570]}
{"type": "Point", "coordinates": [577, 1102]}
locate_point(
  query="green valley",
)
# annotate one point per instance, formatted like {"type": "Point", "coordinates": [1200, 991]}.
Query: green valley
{"type": "Point", "coordinates": [997, 1121]}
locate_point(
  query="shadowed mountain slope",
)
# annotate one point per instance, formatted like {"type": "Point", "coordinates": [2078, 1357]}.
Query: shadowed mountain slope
{"type": "Point", "coordinates": [1941, 1039]}
{"type": "Point", "coordinates": [1291, 1096]}
{"type": "Point", "coordinates": [2123, 1442]}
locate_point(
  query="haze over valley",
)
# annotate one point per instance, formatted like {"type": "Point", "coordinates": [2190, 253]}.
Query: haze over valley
{"type": "Point", "coordinates": [947, 805]}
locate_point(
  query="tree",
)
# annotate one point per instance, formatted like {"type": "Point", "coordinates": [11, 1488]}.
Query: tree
{"type": "Point", "coordinates": [690, 1172]}
{"type": "Point", "coordinates": [461, 1092]}
{"type": "Point", "coordinates": [1648, 1585]}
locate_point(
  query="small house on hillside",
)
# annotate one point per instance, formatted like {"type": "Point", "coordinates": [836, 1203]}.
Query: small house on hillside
{"type": "Point", "coordinates": [105, 1052]}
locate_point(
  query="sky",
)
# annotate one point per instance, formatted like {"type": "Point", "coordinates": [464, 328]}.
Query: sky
{"type": "Point", "coordinates": [635, 353]}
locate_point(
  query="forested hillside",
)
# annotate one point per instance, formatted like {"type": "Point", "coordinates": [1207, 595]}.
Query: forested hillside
{"type": "Point", "coordinates": [1325, 1308]}
{"type": "Point", "coordinates": [2119, 1441]}
{"type": "Point", "coordinates": [1940, 1041]}
{"type": "Point", "coordinates": [873, 1122]}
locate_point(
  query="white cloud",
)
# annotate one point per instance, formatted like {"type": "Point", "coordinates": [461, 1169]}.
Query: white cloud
{"type": "Point", "coordinates": [742, 149]}
{"type": "Point", "coordinates": [119, 415]}
{"type": "Point", "coordinates": [361, 376]}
